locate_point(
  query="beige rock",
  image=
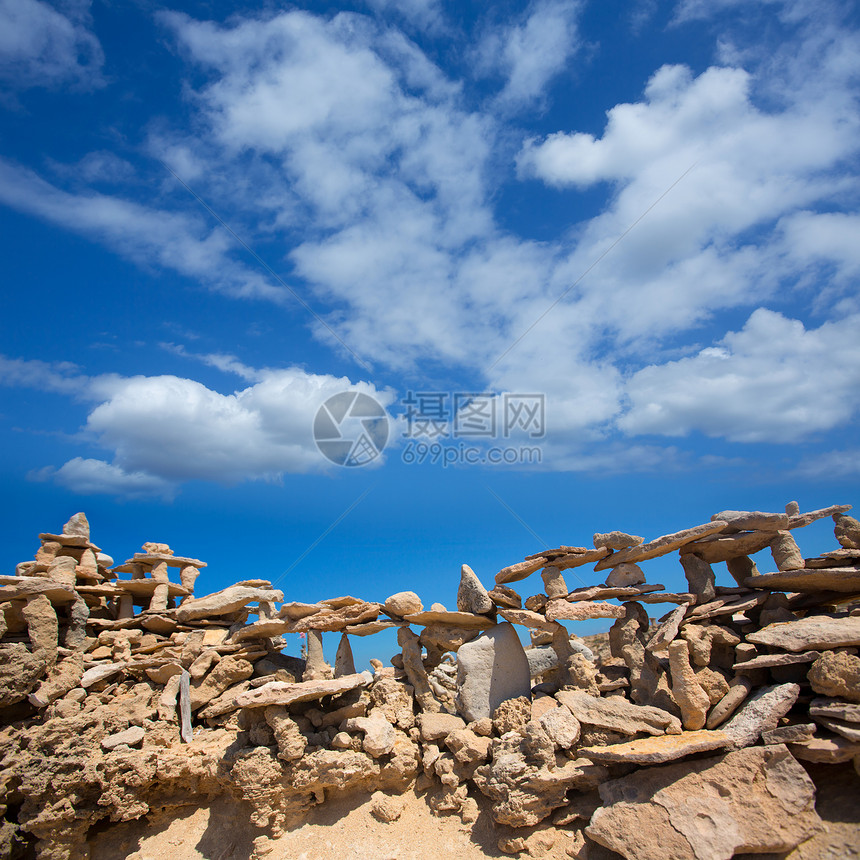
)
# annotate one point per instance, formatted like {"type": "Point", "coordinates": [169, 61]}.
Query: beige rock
{"type": "Point", "coordinates": [490, 670]}
{"type": "Point", "coordinates": [291, 742]}
{"type": "Point", "coordinates": [553, 582]}
{"type": "Point", "coordinates": [560, 610]}
{"type": "Point", "coordinates": [505, 597]}
{"type": "Point", "coordinates": [562, 727]}
{"type": "Point", "coordinates": [338, 619]}
{"type": "Point", "coordinates": [167, 701]}
{"type": "Point", "coordinates": [616, 540]}
{"type": "Point", "coordinates": [713, 682]}
{"type": "Point", "coordinates": [752, 520]}
{"type": "Point", "coordinates": [385, 807]}
{"type": "Point", "coordinates": [512, 715]}
{"type": "Point", "coordinates": [519, 571]}
{"type": "Point", "coordinates": [724, 547]}
{"type": "Point", "coordinates": [625, 574]}
{"type": "Point", "coordinates": [850, 731]}
{"type": "Point", "coordinates": [813, 632]}
{"type": "Point", "coordinates": [785, 551]}
{"type": "Point", "coordinates": [413, 665]}
{"type": "Point", "coordinates": [101, 672]}
{"type": "Point", "coordinates": [225, 602]}
{"type": "Point", "coordinates": [467, 747]}
{"type": "Point", "coordinates": [847, 531]}
{"type": "Point", "coordinates": [295, 611]}
{"type": "Point", "coordinates": [42, 628]}
{"type": "Point", "coordinates": [760, 713]}
{"type": "Point", "coordinates": [281, 693]}
{"type": "Point", "coordinates": [833, 750]}
{"type": "Point", "coordinates": [668, 630]}
{"type": "Point", "coordinates": [691, 698]}
{"type": "Point", "coordinates": [527, 618]}
{"type": "Point", "coordinates": [471, 595]}
{"type": "Point", "coordinates": [379, 734]}
{"type": "Point", "coordinates": [742, 568]}
{"type": "Point", "coordinates": [800, 520]}
{"type": "Point", "coordinates": [844, 579]}
{"type": "Point", "coordinates": [403, 603]}
{"type": "Point", "coordinates": [739, 689]}
{"type": "Point", "coordinates": [230, 670]}
{"type": "Point", "coordinates": [64, 676]}
{"type": "Point", "coordinates": [436, 727]}
{"type": "Point", "coordinates": [466, 620]}
{"type": "Point", "coordinates": [768, 661]}
{"type": "Point", "coordinates": [130, 737]}
{"type": "Point", "coordinates": [788, 734]}
{"type": "Point", "coordinates": [836, 674]}
{"type": "Point", "coordinates": [617, 714]}
{"type": "Point", "coordinates": [835, 709]}
{"type": "Point", "coordinates": [694, 811]}
{"type": "Point", "coordinates": [658, 750]}
{"type": "Point", "coordinates": [394, 700]}
{"type": "Point", "coordinates": [661, 545]}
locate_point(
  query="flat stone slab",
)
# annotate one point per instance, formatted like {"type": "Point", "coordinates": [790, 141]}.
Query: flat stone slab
{"type": "Point", "coordinates": [834, 558]}
{"type": "Point", "coordinates": [756, 800]}
{"type": "Point", "coordinates": [527, 618]}
{"type": "Point", "coordinates": [850, 731]}
{"type": "Point", "coordinates": [520, 570]}
{"type": "Point", "coordinates": [371, 627]}
{"type": "Point", "coordinates": [130, 737]}
{"type": "Point", "coordinates": [835, 708]}
{"type": "Point", "coordinates": [724, 547]}
{"type": "Point", "coordinates": [77, 541]}
{"type": "Point", "coordinates": [826, 750]}
{"type": "Point", "coordinates": [657, 750]}
{"type": "Point", "coordinates": [154, 558]}
{"type": "Point", "coordinates": [788, 734]}
{"type": "Point", "coordinates": [147, 586]}
{"type": "Point", "coordinates": [21, 587]}
{"type": "Point", "coordinates": [842, 579]}
{"type": "Point", "coordinates": [295, 610]}
{"type": "Point", "coordinates": [337, 620]}
{"type": "Point", "coordinates": [680, 597]}
{"type": "Point", "coordinates": [608, 592]}
{"type": "Point", "coordinates": [767, 661]}
{"type": "Point", "coordinates": [455, 619]}
{"type": "Point", "coordinates": [224, 602]}
{"type": "Point", "coordinates": [617, 714]}
{"type": "Point", "coordinates": [284, 693]}
{"type": "Point", "coordinates": [800, 520]}
{"type": "Point", "coordinates": [742, 521]}
{"type": "Point", "coordinates": [814, 632]}
{"type": "Point", "coordinates": [761, 712]}
{"type": "Point", "coordinates": [661, 545]}
{"type": "Point", "coordinates": [561, 610]}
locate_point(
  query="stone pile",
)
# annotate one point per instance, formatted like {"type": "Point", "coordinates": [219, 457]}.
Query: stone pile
{"type": "Point", "coordinates": [121, 692]}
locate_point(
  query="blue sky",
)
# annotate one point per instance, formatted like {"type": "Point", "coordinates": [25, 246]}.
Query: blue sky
{"type": "Point", "coordinates": [216, 216]}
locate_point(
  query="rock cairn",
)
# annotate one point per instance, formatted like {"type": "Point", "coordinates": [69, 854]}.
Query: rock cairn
{"type": "Point", "coordinates": [120, 692]}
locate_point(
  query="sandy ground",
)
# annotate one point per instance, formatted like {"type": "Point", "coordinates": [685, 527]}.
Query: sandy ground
{"type": "Point", "coordinates": [346, 830]}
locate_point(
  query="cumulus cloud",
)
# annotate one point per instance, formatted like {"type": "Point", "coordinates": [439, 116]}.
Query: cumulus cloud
{"type": "Point", "coordinates": [774, 380]}
{"type": "Point", "coordinates": [531, 52]}
{"type": "Point", "coordinates": [42, 47]}
{"type": "Point", "coordinates": [165, 430]}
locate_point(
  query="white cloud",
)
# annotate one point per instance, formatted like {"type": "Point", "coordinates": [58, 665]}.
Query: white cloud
{"type": "Point", "coordinates": [841, 465]}
{"type": "Point", "coordinates": [144, 234]}
{"type": "Point", "coordinates": [40, 46]}
{"type": "Point", "coordinates": [424, 14]}
{"type": "Point", "coordinates": [164, 430]}
{"type": "Point", "coordinates": [90, 477]}
{"type": "Point", "coordinates": [530, 53]}
{"type": "Point", "coordinates": [772, 381]}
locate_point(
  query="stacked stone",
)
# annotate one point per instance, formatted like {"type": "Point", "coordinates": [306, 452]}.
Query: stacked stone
{"type": "Point", "coordinates": [118, 696]}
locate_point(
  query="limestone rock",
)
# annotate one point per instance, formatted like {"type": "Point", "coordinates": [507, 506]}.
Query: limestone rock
{"type": "Point", "coordinates": [617, 714]}
{"type": "Point", "coordinates": [658, 750]}
{"type": "Point", "coordinates": [691, 698]}
{"type": "Point", "coordinates": [227, 672]}
{"type": "Point", "coordinates": [562, 727]}
{"type": "Point", "coordinates": [281, 693]}
{"type": "Point", "coordinates": [836, 674]}
{"type": "Point", "coordinates": [471, 595]}
{"type": "Point", "coordinates": [225, 602]}
{"type": "Point", "coordinates": [616, 540]}
{"type": "Point", "coordinates": [760, 713]}
{"type": "Point", "coordinates": [130, 737]}
{"type": "Point", "coordinates": [403, 603]}
{"type": "Point", "coordinates": [512, 715]}
{"type": "Point", "coordinates": [64, 676]}
{"type": "Point", "coordinates": [553, 582]}
{"type": "Point", "coordinates": [291, 742]}
{"type": "Point", "coordinates": [560, 610]}
{"type": "Point", "coordinates": [835, 709]}
{"type": "Point", "coordinates": [490, 670]}
{"type": "Point", "coordinates": [505, 597]}
{"type": "Point", "coordinates": [813, 632]}
{"type": "Point", "coordinates": [625, 574]}
{"type": "Point", "coordinates": [700, 576]}
{"type": "Point", "coordinates": [379, 734]}
{"type": "Point", "coordinates": [785, 551]}
{"type": "Point", "coordinates": [394, 700]}
{"type": "Point", "coordinates": [518, 571]}
{"type": "Point", "coordinates": [20, 671]}
{"type": "Point", "coordinates": [661, 545]}
{"type": "Point", "coordinates": [694, 810]}
{"type": "Point", "coordinates": [847, 531]}
{"type": "Point", "coordinates": [740, 521]}
{"type": "Point", "coordinates": [413, 665]}
{"type": "Point", "coordinates": [468, 747]}
{"type": "Point", "coordinates": [845, 579]}
{"type": "Point", "coordinates": [385, 807]}
{"type": "Point", "coordinates": [834, 750]}
{"type": "Point", "coordinates": [435, 727]}
{"type": "Point", "coordinates": [344, 664]}
{"type": "Point", "coordinates": [788, 734]}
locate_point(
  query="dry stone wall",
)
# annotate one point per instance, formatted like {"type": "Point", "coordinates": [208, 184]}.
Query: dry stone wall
{"type": "Point", "coordinates": [121, 691]}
